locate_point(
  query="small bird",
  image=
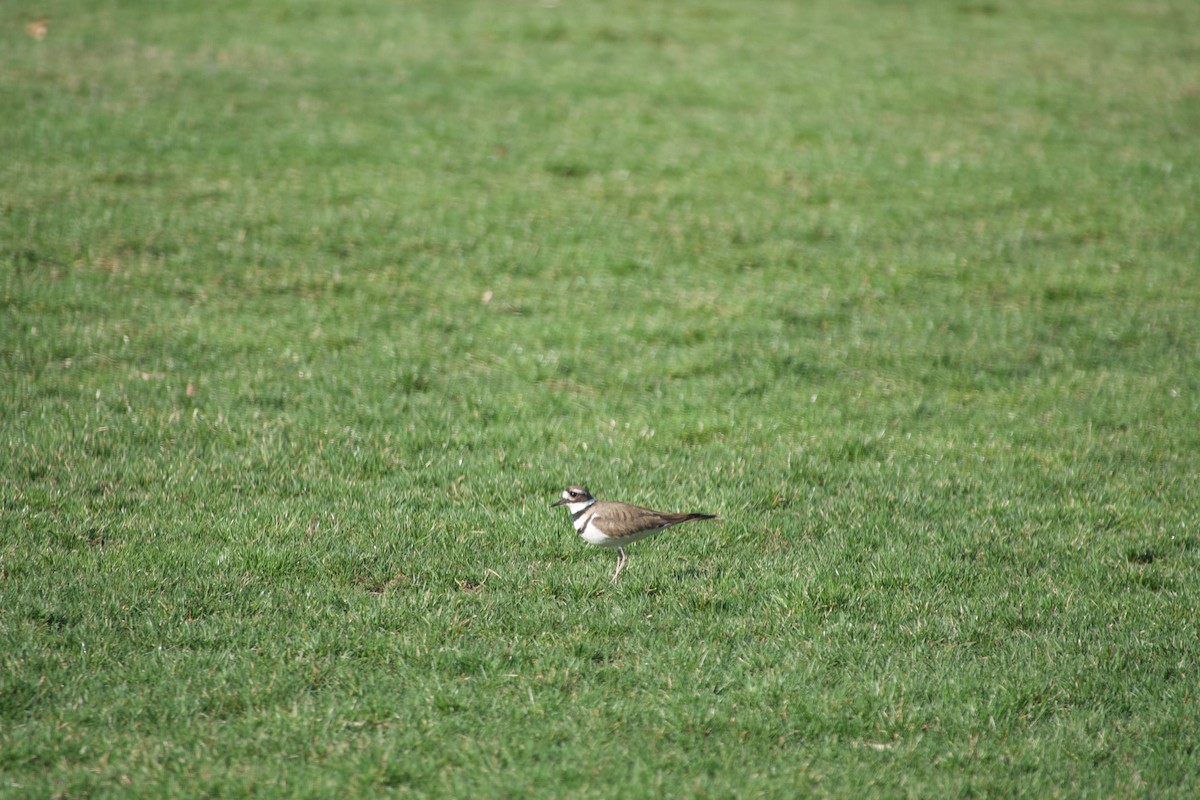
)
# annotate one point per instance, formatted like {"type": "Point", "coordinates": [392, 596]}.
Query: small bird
{"type": "Point", "coordinates": [615, 524]}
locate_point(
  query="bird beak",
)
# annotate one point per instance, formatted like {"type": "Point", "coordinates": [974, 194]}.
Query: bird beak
{"type": "Point", "coordinates": [559, 502]}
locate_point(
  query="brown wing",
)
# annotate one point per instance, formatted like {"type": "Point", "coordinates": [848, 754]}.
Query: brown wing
{"type": "Point", "coordinates": [620, 520]}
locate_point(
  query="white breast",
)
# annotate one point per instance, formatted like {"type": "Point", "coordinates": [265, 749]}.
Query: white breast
{"type": "Point", "coordinates": [593, 535]}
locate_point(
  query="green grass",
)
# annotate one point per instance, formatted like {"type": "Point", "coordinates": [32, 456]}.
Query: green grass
{"type": "Point", "coordinates": [310, 311]}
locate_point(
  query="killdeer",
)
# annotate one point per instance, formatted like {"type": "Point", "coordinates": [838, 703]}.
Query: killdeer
{"type": "Point", "coordinates": [615, 524]}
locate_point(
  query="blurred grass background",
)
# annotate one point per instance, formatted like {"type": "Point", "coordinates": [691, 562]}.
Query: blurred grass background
{"type": "Point", "coordinates": [310, 310]}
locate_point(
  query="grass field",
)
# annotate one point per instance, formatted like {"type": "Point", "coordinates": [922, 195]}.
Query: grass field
{"type": "Point", "coordinates": [310, 310]}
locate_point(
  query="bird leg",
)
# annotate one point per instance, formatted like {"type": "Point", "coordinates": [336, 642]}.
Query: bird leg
{"type": "Point", "coordinates": [621, 559]}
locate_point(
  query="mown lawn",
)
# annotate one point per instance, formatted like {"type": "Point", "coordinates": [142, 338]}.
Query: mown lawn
{"type": "Point", "coordinates": [311, 310]}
